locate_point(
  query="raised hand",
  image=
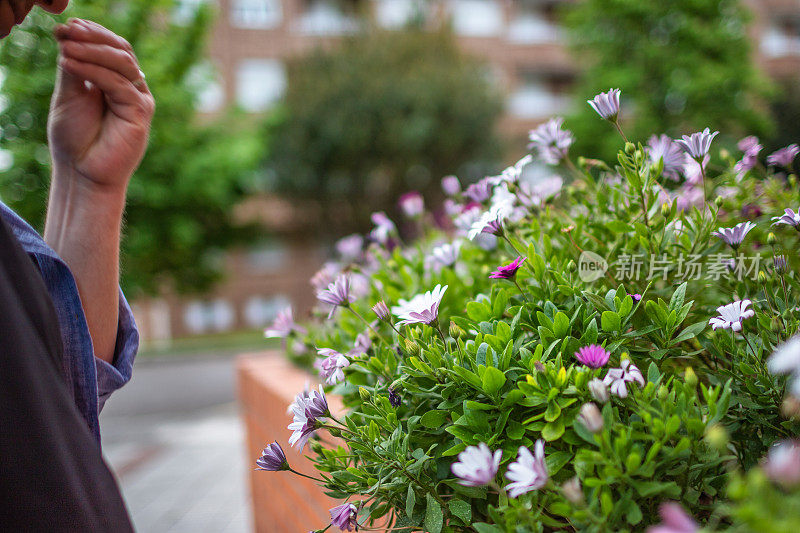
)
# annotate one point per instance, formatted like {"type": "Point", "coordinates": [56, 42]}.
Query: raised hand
{"type": "Point", "coordinates": [101, 110]}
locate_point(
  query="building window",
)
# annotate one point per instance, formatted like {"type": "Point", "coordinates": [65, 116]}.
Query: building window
{"type": "Point", "coordinates": [534, 25]}
{"type": "Point", "coordinates": [398, 13]}
{"type": "Point", "coordinates": [477, 18]}
{"type": "Point", "coordinates": [261, 310]}
{"type": "Point", "coordinates": [781, 38]}
{"type": "Point", "coordinates": [259, 83]}
{"type": "Point", "coordinates": [207, 84]}
{"type": "Point", "coordinates": [256, 13]}
{"type": "Point", "coordinates": [325, 17]}
{"type": "Point", "coordinates": [204, 317]}
{"type": "Point", "coordinates": [185, 10]}
{"type": "Point", "coordinates": [539, 95]}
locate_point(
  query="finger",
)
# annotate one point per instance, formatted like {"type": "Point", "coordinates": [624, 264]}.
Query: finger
{"type": "Point", "coordinates": [81, 30]}
{"type": "Point", "coordinates": [103, 55]}
{"type": "Point", "coordinates": [125, 100]}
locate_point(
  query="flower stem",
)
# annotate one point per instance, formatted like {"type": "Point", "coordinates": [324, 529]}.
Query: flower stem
{"type": "Point", "coordinates": [293, 471]}
{"type": "Point", "coordinates": [521, 290]}
{"type": "Point", "coordinates": [364, 320]}
{"type": "Point", "coordinates": [616, 125]}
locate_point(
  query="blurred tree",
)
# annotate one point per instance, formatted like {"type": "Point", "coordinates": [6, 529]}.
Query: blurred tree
{"type": "Point", "coordinates": [181, 198]}
{"type": "Point", "coordinates": [786, 110]}
{"type": "Point", "coordinates": [682, 65]}
{"type": "Point", "coordinates": [382, 113]}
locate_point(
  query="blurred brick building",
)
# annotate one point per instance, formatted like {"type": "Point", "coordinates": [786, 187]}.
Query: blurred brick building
{"type": "Point", "coordinates": [525, 52]}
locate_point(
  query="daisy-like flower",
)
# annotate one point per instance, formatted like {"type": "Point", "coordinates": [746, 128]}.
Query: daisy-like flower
{"type": "Point", "coordinates": [663, 148]}
{"type": "Point", "coordinates": [477, 465]}
{"type": "Point", "coordinates": [591, 418]}
{"type": "Point", "coordinates": [674, 520]}
{"type": "Point", "coordinates": [786, 360]}
{"type": "Point", "coordinates": [381, 310]}
{"type": "Point", "coordinates": [421, 309]}
{"type": "Point", "coordinates": [489, 222]}
{"type": "Point", "coordinates": [528, 472]}
{"type": "Point", "coordinates": [444, 255]}
{"type": "Point", "coordinates": [782, 464]}
{"type": "Point", "coordinates": [325, 275]}
{"type": "Point", "coordinates": [345, 517]}
{"type": "Point", "coordinates": [272, 458]}
{"type": "Point", "coordinates": [550, 141]}
{"type": "Point", "coordinates": [751, 148]}
{"type": "Point", "coordinates": [309, 415]}
{"type": "Point", "coordinates": [732, 315]}
{"type": "Point", "coordinates": [363, 343]}
{"type": "Point", "coordinates": [479, 192]}
{"type": "Point", "coordinates": [534, 194]}
{"type": "Point", "coordinates": [789, 218]}
{"type": "Point", "coordinates": [617, 379]}
{"type": "Point", "coordinates": [384, 228]}
{"type": "Point", "coordinates": [331, 365]}
{"type": "Point", "coordinates": [350, 247]}
{"type": "Point", "coordinates": [606, 104]}
{"type": "Point", "coordinates": [599, 390]}
{"type": "Point", "coordinates": [512, 173]}
{"type": "Point", "coordinates": [283, 325]}
{"type": "Point", "coordinates": [593, 356]}
{"type": "Point", "coordinates": [337, 294]}
{"type": "Point", "coordinates": [451, 186]}
{"type": "Point", "coordinates": [697, 144]}
{"type": "Point", "coordinates": [412, 204]}
{"type": "Point", "coordinates": [508, 271]}
{"type": "Point", "coordinates": [636, 298]}
{"type": "Point", "coordinates": [748, 143]}
{"type": "Point", "coordinates": [734, 236]}
{"type": "Point", "coordinates": [784, 156]}
{"type": "Point", "coordinates": [394, 397]}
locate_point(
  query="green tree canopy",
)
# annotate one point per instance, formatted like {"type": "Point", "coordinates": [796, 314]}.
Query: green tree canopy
{"type": "Point", "coordinates": [682, 65]}
{"type": "Point", "coordinates": [180, 199]}
{"type": "Point", "coordinates": [382, 113]}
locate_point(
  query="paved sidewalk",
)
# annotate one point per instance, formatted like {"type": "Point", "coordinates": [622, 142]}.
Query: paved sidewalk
{"type": "Point", "coordinates": [178, 454]}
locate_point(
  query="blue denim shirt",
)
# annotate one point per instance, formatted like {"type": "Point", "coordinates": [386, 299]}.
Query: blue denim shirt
{"type": "Point", "coordinates": [90, 380]}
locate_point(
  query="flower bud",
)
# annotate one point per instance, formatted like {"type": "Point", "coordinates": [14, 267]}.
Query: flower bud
{"type": "Point", "coordinates": [411, 347]}
{"type": "Point", "coordinates": [638, 157]}
{"type": "Point", "coordinates": [335, 432]}
{"type": "Point", "coordinates": [724, 154]}
{"type": "Point", "coordinates": [572, 490]}
{"type": "Point", "coordinates": [598, 390]}
{"type": "Point", "coordinates": [717, 437]}
{"type": "Point", "coordinates": [364, 393]}
{"type": "Point", "coordinates": [538, 366]}
{"type": "Point", "coordinates": [762, 277]}
{"type": "Point", "coordinates": [394, 397]}
{"type": "Point", "coordinates": [790, 408]}
{"type": "Point", "coordinates": [456, 331]}
{"type": "Point", "coordinates": [792, 180]}
{"type": "Point", "coordinates": [571, 266]}
{"type": "Point", "coordinates": [630, 148]}
{"type": "Point", "coordinates": [719, 201]}
{"type": "Point", "coordinates": [665, 210]}
{"type": "Point", "coordinates": [582, 162]}
{"type": "Point", "coordinates": [663, 391]}
{"type": "Point", "coordinates": [690, 377]}
{"type": "Point", "coordinates": [771, 239]}
{"type": "Point", "coordinates": [381, 310]}
{"type": "Point", "coordinates": [591, 418]}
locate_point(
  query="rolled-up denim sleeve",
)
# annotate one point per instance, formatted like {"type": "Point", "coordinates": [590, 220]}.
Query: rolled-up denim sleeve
{"type": "Point", "coordinates": [112, 376]}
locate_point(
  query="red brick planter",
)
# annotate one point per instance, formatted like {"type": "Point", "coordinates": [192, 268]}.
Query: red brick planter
{"type": "Point", "coordinates": [282, 501]}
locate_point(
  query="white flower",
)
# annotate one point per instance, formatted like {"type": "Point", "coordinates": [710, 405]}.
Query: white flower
{"type": "Point", "coordinates": [528, 472]}
{"type": "Point", "coordinates": [421, 309]}
{"type": "Point", "coordinates": [618, 378]}
{"type": "Point", "coordinates": [732, 315]}
{"type": "Point", "coordinates": [444, 255]}
{"type": "Point", "coordinates": [786, 360]}
{"type": "Point", "coordinates": [489, 222]}
{"type": "Point", "coordinates": [534, 194]}
{"type": "Point", "coordinates": [477, 465]}
{"type": "Point", "coordinates": [330, 367]}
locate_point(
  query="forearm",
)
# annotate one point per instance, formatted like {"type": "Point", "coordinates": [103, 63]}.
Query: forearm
{"type": "Point", "coordinates": [83, 226]}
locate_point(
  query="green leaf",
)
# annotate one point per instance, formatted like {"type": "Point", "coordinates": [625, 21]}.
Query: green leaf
{"type": "Point", "coordinates": [610, 321]}
{"type": "Point", "coordinates": [500, 303]}
{"type": "Point", "coordinates": [676, 302]}
{"type": "Point", "coordinates": [461, 509]}
{"type": "Point", "coordinates": [433, 515]}
{"type": "Point", "coordinates": [553, 430]}
{"type": "Point", "coordinates": [433, 419]}
{"type": "Point", "coordinates": [478, 311]}
{"type": "Point", "coordinates": [493, 380]}
{"type": "Point", "coordinates": [561, 325]}
{"type": "Point", "coordinates": [482, 527]}
{"type": "Point", "coordinates": [653, 374]}
{"type": "Point", "coordinates": [690, 332]}
{"type": "Point", "coordinates": [651, 488]}
{"type": "Point", "coordinates": [619, 226]}
{"type": "Point", "coordinates": [411, 501]}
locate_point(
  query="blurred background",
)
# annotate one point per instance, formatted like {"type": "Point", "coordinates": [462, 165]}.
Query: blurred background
{"type": "Point", "coordinates": [282, 124]}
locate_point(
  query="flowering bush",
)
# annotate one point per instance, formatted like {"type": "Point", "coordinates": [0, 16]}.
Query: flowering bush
{"type": "Point", "coordinates": [592, 348]}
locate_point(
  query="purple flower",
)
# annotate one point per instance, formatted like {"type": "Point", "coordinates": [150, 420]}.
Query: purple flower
{"type": "Point", "coordinates": [779, 264]}
{"type": "Point", "coordinates": [786, 360]}
{"type": "Point", "coordinates": [674, 520]}
{"type": "Point", "coordinates": [751, 149]}
{"type": "Point", "coordinates": [508, 271]}
{"type": "Point", "coordinates": [363, 343]}
{"type": "Point", "coordinates": [591, 418]}
{"type": "Point", "coordinates": [697, 144]}
{"type": "Point", "coordinates": [422, 308]}
{"type": "Point", "coordinates": [325, 275]}
{"type": "Point", "coordinates": [489, 222]}
{"type": "Point", "coordinates": [477, 465]}
{"type": "Point", "coordinates": [732, 315]}
{"type": "Point", "coordinates": [444, 255]}
{"type": "Point", "coordinates": [337, 294]}
{"type": "Point", "coordinates": [451, 186]}
{"type": "Point", "coordinates": [309, 412]}
{"type": "Point", "coordinates": [350, 247]}
{"type": "Point", "coordinates": [593, 356]}
{"type": "Point", "coordinates": [783, 463]}
{"type": "Point", "coordinates": [734, 236]}
{"type": "Point", "coordinates": [412, 204]}
{"type": "Point", "coordinates": [599, 390]}
{"type": "Point", "coordinates": [664, 148]}
{"type": "Point", "coordinates": [381, 310]}
{"type": "Point", "coordinates": [283, 325]}
{"type": "Point", "coordinates": [384, 228]}
{"type": "Point", "coordinates": [618, 378]}
{"type": "Point", "coordinates": [479, 192]}
{"type": "Point", "coordinates": [636, 298]}
{"type": "Point", "coordinates": [345, 517]}
{"type": "Point", "coordinates": [528, 472]}
{"type": "Point", "coordinates": [790, 218]}
{"type": "Point", "coordinates": [394, 398]}
{"type": "Point", "coordinates": [784, 156]}
{"type": "Point", "coordinates": [272, 458]}
{"type": "Point", "coordinates": [550, 141]}
{"type": "Point", "coordinates": [748, 143]}
{"type": "Point", "coordinates": [534, 194]}
{"type": "Point", "coordinates": [331, 365]}
{"type": "Point", "coordinates": [606, 104]}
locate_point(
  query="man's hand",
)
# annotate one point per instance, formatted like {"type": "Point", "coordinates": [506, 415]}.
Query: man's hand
{"type": "Point", "coordinates": [101, 109]}
{"type": "Point", "coordinates": [99, 122]}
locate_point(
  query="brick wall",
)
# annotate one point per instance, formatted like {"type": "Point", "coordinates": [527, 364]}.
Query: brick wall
{"type": "Point", "coordinates": [282, 501]}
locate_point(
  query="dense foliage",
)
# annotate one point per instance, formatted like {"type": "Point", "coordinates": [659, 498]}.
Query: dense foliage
{"type": "Point", "coordinates": [570, 390]}
{"type": "Point", "coordinates": [683, 63]}
{"type": "Point", "coordinates": [379, 114]}
{"type": "Point", "coordinates": [181, 198]}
